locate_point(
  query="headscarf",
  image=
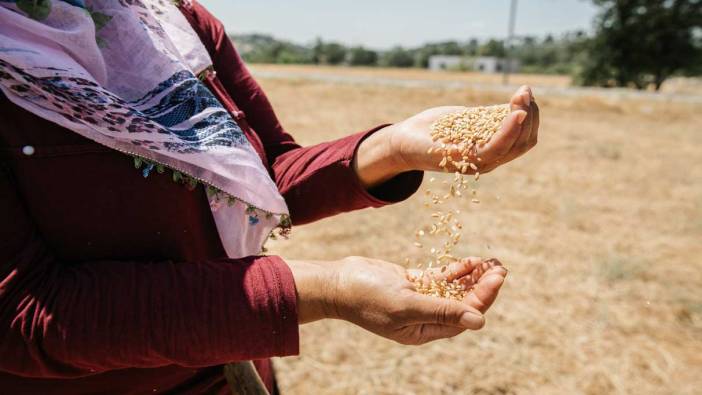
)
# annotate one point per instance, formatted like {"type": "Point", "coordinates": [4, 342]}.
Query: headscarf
{"type": "Point", "coordinates": [124, 73]}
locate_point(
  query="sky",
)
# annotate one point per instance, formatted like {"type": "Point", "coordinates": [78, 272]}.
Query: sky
{"type": "Point", "coordinates": [381, 24]}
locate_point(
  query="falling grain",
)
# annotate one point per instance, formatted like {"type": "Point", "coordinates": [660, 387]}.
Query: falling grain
{"type": "Point", "coordinates": [461, 133]}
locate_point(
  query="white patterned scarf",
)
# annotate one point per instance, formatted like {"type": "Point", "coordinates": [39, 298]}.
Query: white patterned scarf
{"type": "Point", "coordinates": [123, 73]}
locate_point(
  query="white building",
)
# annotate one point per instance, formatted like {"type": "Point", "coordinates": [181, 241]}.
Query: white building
{"type": "Point", "coordinates": [447, 62]}
{"type": "Point", "coordinates": [484, 64]}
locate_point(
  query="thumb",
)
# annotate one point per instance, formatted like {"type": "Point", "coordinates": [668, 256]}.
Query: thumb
{"type": "Point", "coordinates": [433, 310]}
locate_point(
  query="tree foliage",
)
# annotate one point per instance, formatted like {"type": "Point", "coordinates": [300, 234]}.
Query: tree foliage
{"type": "Point", "coordinates": [548, 55]}
{"type": "Point", "coordinates": [397, 57]}
{"type": "Point", "coordinates": [551, 55]}
{"type": "Point", "coordinates": [328, 53]}
{"type": "Point", "coordinates": [494, 48]}
{"type": "Point", "coordinates": [260, 48]}
{"type": "Point", "coordinates": [360, 56]}
{"type": "Point", "coordinates": [642, 42]}
{"type": "Point", "coordinates": [636, 43]}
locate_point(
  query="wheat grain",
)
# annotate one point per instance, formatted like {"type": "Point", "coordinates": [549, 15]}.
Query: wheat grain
{"type": "Point", "coordinates": [458, 136]}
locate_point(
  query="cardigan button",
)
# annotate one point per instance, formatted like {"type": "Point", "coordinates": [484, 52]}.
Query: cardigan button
{"type": "Point", "coordinates": [28, 150]}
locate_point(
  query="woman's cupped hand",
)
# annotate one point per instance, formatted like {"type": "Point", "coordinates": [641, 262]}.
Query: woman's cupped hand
{"type": "Point", "coordinates": [380, 296]}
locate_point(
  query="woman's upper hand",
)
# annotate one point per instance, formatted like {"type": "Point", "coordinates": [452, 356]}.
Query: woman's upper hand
{"type": "Point", "coordinates": [411, 139]}
{"type": "Point", "coordinates": [405, 146]}
{"type": "Point", "coordinates": [380, 297]}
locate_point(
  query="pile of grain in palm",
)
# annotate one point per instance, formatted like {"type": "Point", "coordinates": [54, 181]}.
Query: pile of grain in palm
{"type": "Point", "coordinates": [457, 137]}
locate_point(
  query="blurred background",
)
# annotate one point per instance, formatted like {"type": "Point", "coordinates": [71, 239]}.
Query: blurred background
{"type": "Point", "coordinates": [600, 225]}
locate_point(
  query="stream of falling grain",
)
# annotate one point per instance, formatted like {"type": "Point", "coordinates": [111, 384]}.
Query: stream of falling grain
{"type": "Point", "coordinates": [457, 137]}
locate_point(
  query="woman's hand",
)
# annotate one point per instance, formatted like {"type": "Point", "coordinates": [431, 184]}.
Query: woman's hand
{"type": "Point", "coordinates": [404, 146]}
{"type": "Point", "coordinates": [379, 296]}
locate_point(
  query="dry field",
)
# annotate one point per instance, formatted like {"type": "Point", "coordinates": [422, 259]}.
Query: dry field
{"type": "Point", "coordinates": [677, 85]}
{"type": "Point", "coordinates": [410, 73]}
{"type": "Point", "coordinates": [600, 226]}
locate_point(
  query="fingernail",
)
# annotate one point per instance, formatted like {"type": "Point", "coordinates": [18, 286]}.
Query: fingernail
{"type": "Point", "coordinates": [521, 117]}
{"type": "Point", "coordinates": [472, 320]}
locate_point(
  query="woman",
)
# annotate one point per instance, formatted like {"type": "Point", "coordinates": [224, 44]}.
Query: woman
{"type": "Point", "coordinates": [117, 280]}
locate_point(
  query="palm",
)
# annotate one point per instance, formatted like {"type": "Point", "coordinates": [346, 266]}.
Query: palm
{"type": "Point", "coordinates": [380, 297]}
{"type": "Point", "coordinates": [482, 277]}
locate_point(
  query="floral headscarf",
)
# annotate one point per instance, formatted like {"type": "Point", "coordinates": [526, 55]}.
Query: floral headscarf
{"type": "Point", "coordinates": [124, 73]}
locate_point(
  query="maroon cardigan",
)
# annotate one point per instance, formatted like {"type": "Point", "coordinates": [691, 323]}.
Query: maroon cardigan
{"type": "Point", "coordinates": [115, 283]}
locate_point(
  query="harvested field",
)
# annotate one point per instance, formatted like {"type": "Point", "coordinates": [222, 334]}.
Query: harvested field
{"type": "Point", "coordinates": [411, 73]}
{"type": "Point", "coordinates": [600, 227]}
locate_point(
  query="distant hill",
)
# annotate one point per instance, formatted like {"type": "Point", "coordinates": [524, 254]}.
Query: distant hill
{"type": "Point", "coordinates": [263, 48]}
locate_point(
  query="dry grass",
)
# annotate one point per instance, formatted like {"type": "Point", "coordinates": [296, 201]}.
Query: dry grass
{"type": "Point", "coordinates": [600, 227]}
{"type": "Point", "coordinates": [410, 73]}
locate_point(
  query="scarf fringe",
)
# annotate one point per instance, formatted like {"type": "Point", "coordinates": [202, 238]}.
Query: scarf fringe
{"type": "Point", "coordinates": [216, 196]}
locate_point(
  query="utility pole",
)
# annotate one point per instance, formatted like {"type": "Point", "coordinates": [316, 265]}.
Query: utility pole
{"type": "Point", "coordinates": [509, 42]}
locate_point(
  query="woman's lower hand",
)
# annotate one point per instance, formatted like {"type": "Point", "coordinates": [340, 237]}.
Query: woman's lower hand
{"type": "Point", "coordinates": [405, 146]}
{"type": "Point", "coordinates": [379, 296]}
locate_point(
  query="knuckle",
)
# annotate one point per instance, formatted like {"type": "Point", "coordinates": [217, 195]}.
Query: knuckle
{"type": "Point", "coordinates": [442, 313]}
{"type": "Point", "coordinates": [480, 325]}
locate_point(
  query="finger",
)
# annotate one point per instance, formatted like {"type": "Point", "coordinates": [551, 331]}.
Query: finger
{"type": "Point", "coordinates": [486, 290]}
{"type": "Point", "coordinates": [485, 267]}
{"type": "Point", "coordinates": [522, 144]}
{"type": "Point", "coordinates": [501, 143]}
{"type": "Point", "coordinates": [521, 99]}
{"type": "Point", "coordinates": [511, 133]}
{"type": "Point", "coordinates": [452, 271]}
{"type": "Point", "coordinates": [528, 137]}
{"type": "Point", "coordinates": [425, 309]}
{"type": "Point", "coordinates": [484, 293]}
{"type": "Point", "coordinates": [534, 135]}
{"type": "Point", "coordinates": [478, 268]}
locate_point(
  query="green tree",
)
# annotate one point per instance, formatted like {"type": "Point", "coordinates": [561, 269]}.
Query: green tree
{"type": "Point", "coordinates": [397, 57]}
{"type": "Point", "coordinates": [471, 48]}
{"type": "Point", "coordinates": [552, 55]}
{"type": "Point", "coordinates": [642, 42]}
{"type": "Point", "coordinates": [291, 54]}
{"type": "Point", "coordinates": [493, 48]}
{"type": "Point", "coordinates": [422, 54]}
{"type": "Point", "coordinates": [360, 56]}
{"type": "Point", "coordinates": [328, 53]}
{"type": "Point", "coordinates": [260, 48]}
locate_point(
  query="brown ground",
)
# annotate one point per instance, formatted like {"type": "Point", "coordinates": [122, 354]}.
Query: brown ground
{"type": "Point", "coordinates": [600, 226]}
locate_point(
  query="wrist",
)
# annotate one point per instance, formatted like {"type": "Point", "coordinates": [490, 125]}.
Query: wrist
{"type": "Point", "coordinates": [378, 158]}
{"type": "Point", "coordinates": [315, 284]}
{"type": "Point", "coordinates": [396, 151]}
